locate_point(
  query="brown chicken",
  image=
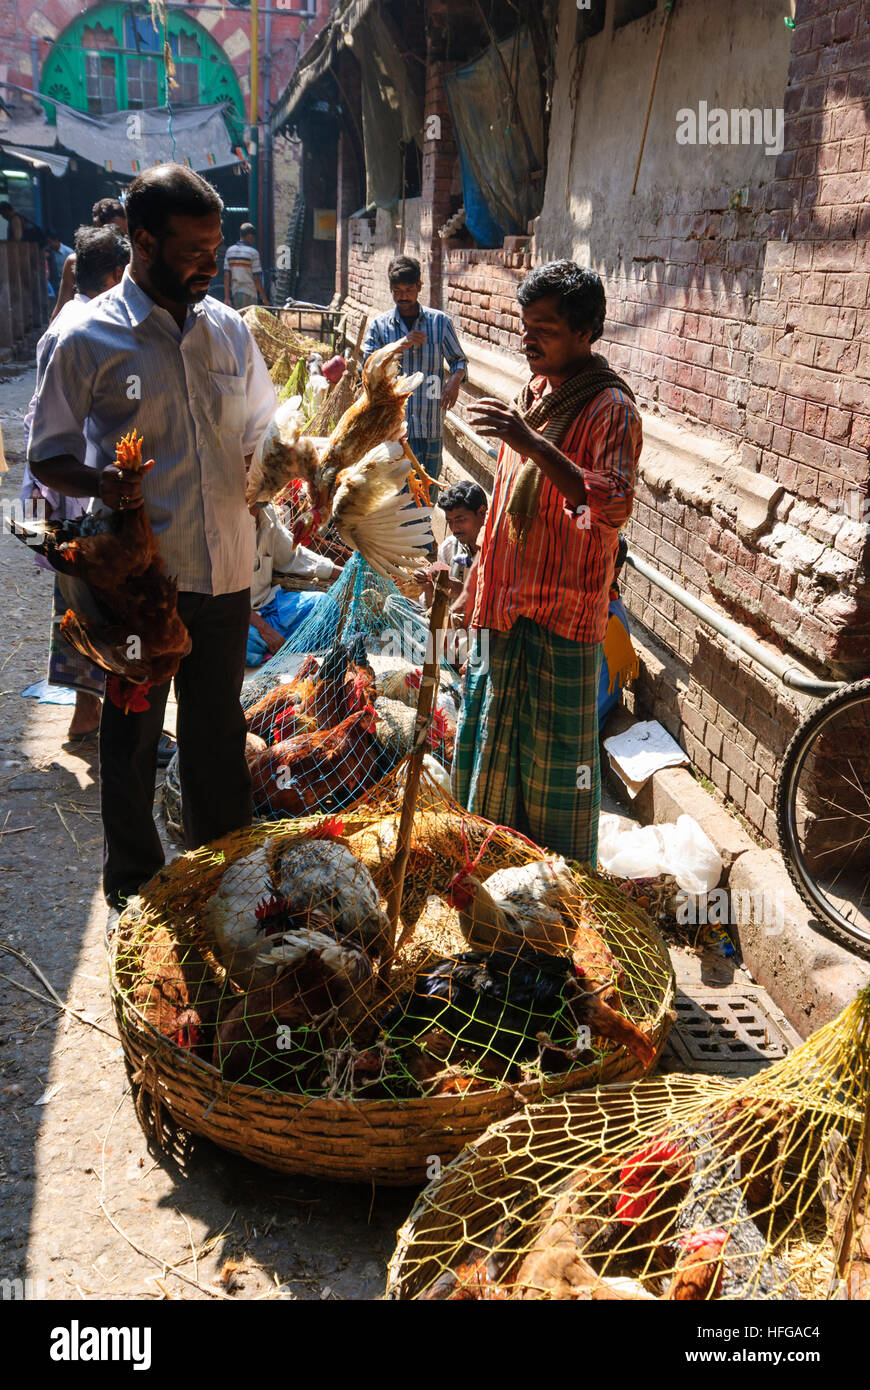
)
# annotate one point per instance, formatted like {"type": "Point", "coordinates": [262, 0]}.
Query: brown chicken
{"type": "Point", "coordinates": [300, 775]}
{"type": "Point", "coordinates": [262, 716]}
{"type": "Point", "coordinates": [142, 640]}
{"type": "Point", "coordinates": [477, 1277]}
{"type": "Point", "coordinates": [698, 1275]}
{"type": "Point", "coordinates": [175, 990]}
{"type": "Point", "coordinates": [377, 416]}
{"type": "Point", "coordinates": [556, 1268]}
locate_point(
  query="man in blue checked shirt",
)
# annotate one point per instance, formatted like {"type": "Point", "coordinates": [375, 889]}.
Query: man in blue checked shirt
{"type": "Point", "coordinates": [433, 339]}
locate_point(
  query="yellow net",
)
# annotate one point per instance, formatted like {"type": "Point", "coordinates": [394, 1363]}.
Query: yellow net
{"type": "Point", "coordinates": [268, 959]}
{"type": "Point", "coordinates": [682, 1187]}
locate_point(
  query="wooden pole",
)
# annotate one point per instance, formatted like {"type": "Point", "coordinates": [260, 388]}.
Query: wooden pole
{"type": "Point", "coordinates": [668, 10]}
{"type": "Point", "coordinates": [425, 702]}
{"type": "Point", "coordinates": [855, 1220]}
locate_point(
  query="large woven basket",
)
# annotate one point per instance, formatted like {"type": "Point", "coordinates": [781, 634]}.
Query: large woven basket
{"type": "Point", "coordinates": [398, 1142]}
{"type": "Point", "coordinates": [796, 1131]}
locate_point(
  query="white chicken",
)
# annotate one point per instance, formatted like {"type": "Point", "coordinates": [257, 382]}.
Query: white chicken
{"type": "Point", "coordinates": [229, 918]}
{"type": "Point", "coordinates": [282, 454]}
{"type": "Point", "coordinates": [324, 875]}
{"type": "Point", "coordinates": [371, 513]}
{"type": "Point", "coordinates": [526, 900]}
{"type": "Point", "coordinates": [346, 964]}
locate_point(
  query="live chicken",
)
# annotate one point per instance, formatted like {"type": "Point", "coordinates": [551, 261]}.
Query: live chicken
{"type": "Point", "coordinates": [322, 768]}
{"type": "Point", "coordinates": [322, 873]}
{"type": "Point", "coordinates": [140, 639]}
{"type": "Point", "coordinates": [510, 1004]}
{"type": "Point", "coordinates": [272, 1035]}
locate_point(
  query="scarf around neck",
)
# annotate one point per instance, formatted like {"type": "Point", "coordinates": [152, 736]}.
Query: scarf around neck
{"type": "Point", "coordinates": [556, 411]}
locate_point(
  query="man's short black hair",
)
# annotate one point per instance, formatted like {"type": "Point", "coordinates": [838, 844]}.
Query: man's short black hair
{"type": "Point", "coordinates": [247, 229]}
{"type": "Point", "coordinates": [106, 210]}
{"type": "Point", "coordinates": [168, 190]}
{"type": "Point", "coordinates": [404, 270]}
{"type": "Point", "coordinates": [52, 234]}
{"type": "Point", "coordinates": [6, 208]}
{"type": "Point", "coordinates": [99, 252]}
{"type": "Point", "coordinates": [464, 494]}
{"type": "Point", "coordinates": [582, 302]}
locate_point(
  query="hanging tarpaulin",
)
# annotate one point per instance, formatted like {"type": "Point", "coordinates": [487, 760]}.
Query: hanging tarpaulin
{"type": "Point", "coordinates": [124, 142]}
{"type": "Point", "coordinates": [392, 109]}
{"type": "Point", "coordinates": [497, 113]}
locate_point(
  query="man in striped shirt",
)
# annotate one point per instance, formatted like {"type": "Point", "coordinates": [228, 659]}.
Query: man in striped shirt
{"type": "Point", "coordinates": [158, 354]}
{"type": "Point", "coordinates": [432, 339]}
{"type": "Point", "coordinates": [527, 743]}
{"type": "Point", "coordinates": [243, 272]}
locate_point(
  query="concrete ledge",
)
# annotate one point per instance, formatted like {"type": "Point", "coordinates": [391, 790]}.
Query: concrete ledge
{"type": "Point", "coordinates": [811, 978]}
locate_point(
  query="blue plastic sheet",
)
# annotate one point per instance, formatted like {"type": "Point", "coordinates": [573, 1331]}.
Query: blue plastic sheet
{"type": "Point", "coordinates": [496, 109]}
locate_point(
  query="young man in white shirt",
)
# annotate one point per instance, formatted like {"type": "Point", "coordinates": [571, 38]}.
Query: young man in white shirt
{"type": "Point", "coordinates": [158, 354]}
{"type": "Point", "coordinates": [243, 273]}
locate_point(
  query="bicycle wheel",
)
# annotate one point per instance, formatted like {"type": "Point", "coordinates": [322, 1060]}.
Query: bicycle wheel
{"type": "Point", "coordinates": [823, 814]}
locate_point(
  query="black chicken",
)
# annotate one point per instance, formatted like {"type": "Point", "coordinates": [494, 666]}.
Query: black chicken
{"type": "Point", "coordinates": [500, 1002]}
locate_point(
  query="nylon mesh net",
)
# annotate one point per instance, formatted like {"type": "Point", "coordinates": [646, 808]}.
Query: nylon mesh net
{"type": "Point", "coordinates": [683, 1187]}
{"type": "Point", "coordinates": [269, 956]}
{"type": "Point", "coordinates": [334, 711]}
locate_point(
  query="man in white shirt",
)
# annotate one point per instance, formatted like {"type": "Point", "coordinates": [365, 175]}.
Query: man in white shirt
{"type": "Point", "coordinates": [243, 273]}
{"type": "Point", "coordinates": [158, 355]}
{"type": "Point", "coordinates": [276, 612]}
{"type": "Point", "coordinates": [99, 260]}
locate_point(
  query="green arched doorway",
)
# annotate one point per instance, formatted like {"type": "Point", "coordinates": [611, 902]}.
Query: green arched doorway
{"type": "Point", "coordinates": [111, 59]}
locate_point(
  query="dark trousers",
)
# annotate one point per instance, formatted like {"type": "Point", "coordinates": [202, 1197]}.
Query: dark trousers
{"type": "Point", "coordinates": [215, 782]}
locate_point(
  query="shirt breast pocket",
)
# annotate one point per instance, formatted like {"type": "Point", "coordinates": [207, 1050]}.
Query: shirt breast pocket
{"type": "Point", "coordinates": [229, 401]}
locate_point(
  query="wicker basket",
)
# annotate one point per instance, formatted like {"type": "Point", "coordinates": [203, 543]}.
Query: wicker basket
{"type": "Point", "coordinates": [389, 1141]}
{"type": "Point", "coordinates": [781, 1149]}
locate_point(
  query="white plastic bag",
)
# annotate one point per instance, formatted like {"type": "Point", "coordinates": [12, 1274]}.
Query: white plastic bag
{"type": "Point", "coordinates": [648, 851]}
{"type": "Point", "coordinates": [694, 860]}
{"type": "Point", "coordinates": [638, 852]}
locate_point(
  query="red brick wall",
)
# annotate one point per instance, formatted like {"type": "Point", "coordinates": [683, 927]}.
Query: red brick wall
{"type": "Point", "coordinates": [480, 295]}
{"type": "Point", "coordinates": [681, 324]}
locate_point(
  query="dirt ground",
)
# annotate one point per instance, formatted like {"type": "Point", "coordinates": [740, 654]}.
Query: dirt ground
{"type": "Point", "coordinates": [90, 1209]}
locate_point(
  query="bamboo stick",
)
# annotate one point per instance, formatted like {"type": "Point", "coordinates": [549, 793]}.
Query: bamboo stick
{"type": "Point", "coordinates": [425, 702]}
{"type": "Point", "coordinates": [668, 11]}
{"type": "Point", "coordinates": [855, 1222]}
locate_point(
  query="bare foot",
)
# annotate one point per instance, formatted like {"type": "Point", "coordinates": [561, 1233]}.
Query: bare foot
{"type": "Point", "coordinates": [87, 714]}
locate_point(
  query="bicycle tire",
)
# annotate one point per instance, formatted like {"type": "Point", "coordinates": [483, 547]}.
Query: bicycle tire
{"type": "Point", "coordinates": [814, 893]}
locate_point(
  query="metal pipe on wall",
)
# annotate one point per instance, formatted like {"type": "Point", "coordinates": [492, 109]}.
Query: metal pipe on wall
{"type": "Point", "coordinates": [785, 670]}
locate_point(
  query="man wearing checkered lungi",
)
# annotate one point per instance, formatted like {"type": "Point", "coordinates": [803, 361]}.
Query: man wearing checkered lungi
{"type": "Point", "coordinates": [527, 743]}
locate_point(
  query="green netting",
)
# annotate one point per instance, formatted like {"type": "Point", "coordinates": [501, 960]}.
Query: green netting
{"type": "Point", "coordinates": [335, 710]}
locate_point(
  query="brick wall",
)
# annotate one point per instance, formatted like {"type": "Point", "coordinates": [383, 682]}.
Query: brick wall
{"type": "Point", "coordinates": [808, 410]}
{"type": "Point", "coordinates": [480, 295]}
{"type": "Point", "coordinates": [681, 322]}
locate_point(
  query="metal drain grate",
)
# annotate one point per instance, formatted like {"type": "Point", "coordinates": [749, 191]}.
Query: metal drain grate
{"type": "Point", "coordinates": [724, 1032]}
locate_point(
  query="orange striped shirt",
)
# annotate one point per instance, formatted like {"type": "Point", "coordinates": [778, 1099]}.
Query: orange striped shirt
{"type": "Point", "coordinates": [559, 574]}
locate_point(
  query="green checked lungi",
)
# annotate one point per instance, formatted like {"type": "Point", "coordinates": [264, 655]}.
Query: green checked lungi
{"type": "Point", "coordinates": [527, 742]}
